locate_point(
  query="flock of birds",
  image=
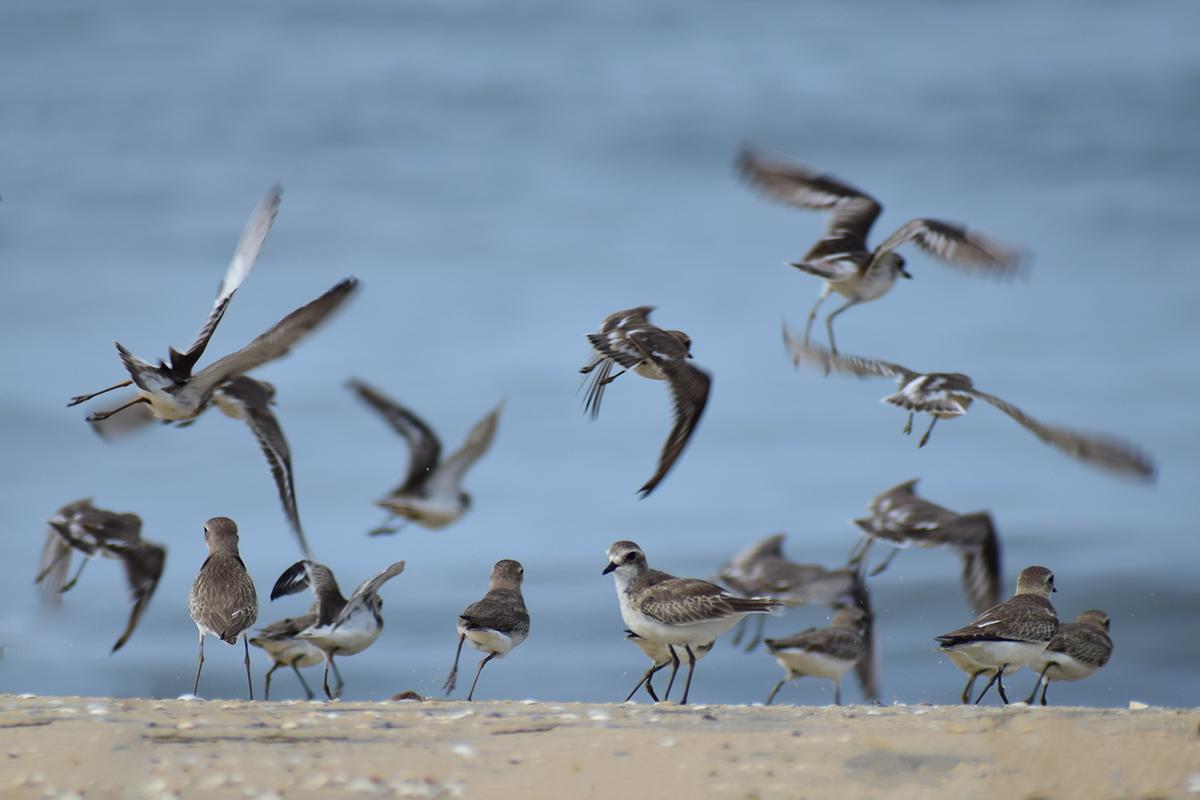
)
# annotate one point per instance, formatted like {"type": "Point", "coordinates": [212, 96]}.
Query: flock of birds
{"type": "Point", "coordinates": [671, 619]}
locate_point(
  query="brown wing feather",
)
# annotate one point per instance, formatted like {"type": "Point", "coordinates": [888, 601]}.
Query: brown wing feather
{"type": "Point", "coordinates": [424, 446]}
{"type": "Point", "coordinates": [689, 395]}
{"type": "Point", "coordinates": [955, 245]}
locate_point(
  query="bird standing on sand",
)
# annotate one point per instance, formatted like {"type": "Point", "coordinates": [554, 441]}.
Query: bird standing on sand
{"type": "Point", "coordinates": [821, 652]}
{"type": "Point", "coordinates": [222, 600]}
{"type": "Point", "coordinates": [946, 395]}
{"type": "Point", "coordinates": [682, 614]}
{"type": "Point", "coordinates": [342, 627]}
{"type": "Point", "coordinates": [660, 656]}
{"type": "Point", "coordinates": [286, 649]}
{"type": "Point", "coordinates": [842, 258]}
{"type": "Point", "coordinates": [431, 495]}
{"type": "Point", "coordinates": [1010, 635]}
{"type": "Point", "coordinates": [93, 531]}
{"type": "Point", "coordinates": [630, 340]}
{"type": "Point", "coordinates": [1076, 652]}
{"type": "Point", "coordinates": [495, 624]}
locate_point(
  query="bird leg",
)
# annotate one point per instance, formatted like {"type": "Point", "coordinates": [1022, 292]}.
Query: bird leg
{"type": "Point", "coordinates": [687, 687]}
{"type": "Point", "coordinates": [885, 563]}
{"type": "Point", "coordinates": [966, 692]}
{"type": "Point", "coordinates": [452, 678]}
{"type": "Point", "coordinates": [995, 675]}
{"type": "Point", "coordinates": [674, 669]}
{"type": "Point", "coordinates": [928, 431]}
{"type": "Point", "coordinates": [646, 676]}
{"type": "Point", "coordinates": [812, 315]}
{"type": "Point", "coordinates": [829, 324]}
{"type": "Point", "coordinates": [100, 416]}
{"type": "Point", "coordinates": [1041, 681]}
{"type": "Point", "coordinates": [384, 529]}
{"type": "Point", "coordinates": [267, 681]}
{"type": "Point", "coordinates": [907, 429]}
{"type": "Point", "coordinates": [1000, 683]}
{"type": "Point", "coordinates": [837, 692]}
{"type": "Point", "coordinates": [775, 691]}
{"type": "Point", "coordinates": [341, 684]}
{"type": "Point", "coordinates": [249, 683]}
{"type": "Point", "coordinates": [307, 691]}
{"type": "Point", "coordinates": [860, 550]}
{"type": "Point", "coordinates": [737, 632]}
{"type": "Point", "coordinates": [760, 622]}
{"type": "Point", "coordinates": [71, 583]}
{"type": "Point", "coordinates": [83, 398]}
{"type": "Point", "coordinates": [479, 669]}
{"type": "Point", "coordinates": [199, 664]}
{"type": "Point", "coordinates": [63, 553]}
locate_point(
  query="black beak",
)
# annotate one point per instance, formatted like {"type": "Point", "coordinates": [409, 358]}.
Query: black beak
{"type": "Point", "coordinates": [906, 273]}
{"type": "Point", "coordinates": [1054, 590]}
{"type": "Point", "coordinates": [611, 566]}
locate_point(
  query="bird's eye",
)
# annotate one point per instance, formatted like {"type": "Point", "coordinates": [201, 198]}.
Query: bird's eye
{"type": "Point", "coordinates": [630, 557]}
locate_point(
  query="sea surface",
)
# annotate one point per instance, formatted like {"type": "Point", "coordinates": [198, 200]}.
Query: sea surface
{"type": "Point", "coordinates": [500, 177]}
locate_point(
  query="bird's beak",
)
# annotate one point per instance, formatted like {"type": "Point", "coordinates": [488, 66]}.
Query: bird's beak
{"type": "Point", "coordinates": [1054, 590]}
{"type": "Point", "coordinates": [906, 273]}
{"type": "Point", "coordinates": [611, 566]}
{"type": "Point", "coordinates": [690, 355]}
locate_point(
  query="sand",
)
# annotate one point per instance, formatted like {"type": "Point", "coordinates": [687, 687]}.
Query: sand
{"type": "Point", "coordinates": [101, 747]}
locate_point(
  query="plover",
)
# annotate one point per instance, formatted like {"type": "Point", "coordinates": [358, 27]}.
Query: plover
{"type": "Point", "coordinates": [682, 614]}
{"type": "Point", "coordinates": [970, 666]}
{"type": "Point", "coordinates": [495, 624]}
{"type": "Point", "coordinates": [222, 600]}
{"type": "Point", "coordinates": [842, 257]}
{"type": "Point", "coordinates": [287, 650]}
{"type": "Point", "coordinates": [343, 627]}
{"type": "Point", "coordinates": [945, 395]}
{"type": "Point", "coordinates": [93, 531]}
{"type": "Point", "coordinates": [660, 656]}
{"type": "Point", "coordinates": [1076, 651]}
{"type": "Point", "coordinates": [1012, 634]}
{"type": "Point", "coordinates": [432, 494]}
{"type": "Point", "coordinates": [630, 340]}
{"type": "Point", "coordinates": [902, 519]}
{"type": "Point", "coordinates": [821, 652]}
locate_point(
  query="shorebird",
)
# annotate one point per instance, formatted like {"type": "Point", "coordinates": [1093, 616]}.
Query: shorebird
{"type": "Point", "coordinates": [678, 613]}
{"type": "Point", "coordinates": [343, 627]}
{"type": "Point", "coordinates": [93, 531]}
{"type": "Point", "coordinates": [630, 340]}
{"type": "Point", "coordinates": [945, 395]}
{"type": "Point", "coordinates": [973, 669]}
{"type": "Point", "coordinates": [222, 600]}
{"type": "Point", "coordinates": [1010, 635]}
{"type": "Point", "coordinates": [432, 494]}
{"type": "Point", "coordinates": [902, 519]}
{"type": "Point", "coordinates": [281, 643]}
{"type": "Point", "coordinates": [660, 656]}
{"type": "Point", "coordinates": [842, 258]}
{"type": "Point", "coordinates": [822, 652]}
{"type": "Point", "coordinates": [1076, 651]}
{"type": "Point", "coordinates": [495, 624]}
{"type": "Point", "coordinates": [762, 568]}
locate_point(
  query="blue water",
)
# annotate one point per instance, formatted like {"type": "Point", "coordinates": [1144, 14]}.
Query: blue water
{"type": "Point", "coordinates": [501, 177]}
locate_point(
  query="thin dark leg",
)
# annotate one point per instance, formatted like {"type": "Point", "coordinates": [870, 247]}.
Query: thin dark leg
{"type": "Point", "coordinates": [1000, 683]}
{"type": "Point", "coordinates": [885, 563]}
{"type": "Point", "coordinates": [199, 664]}
{"type": "Point", "coordinates": [907, 429]}
{"type": "Point", "coordinates": [341, 684]}
{"type": "Point", "coordinates": [829, 324]}
{"type": "Point", "coordinates": [63, 553]}
{"type": "Point", "coordinates": [1045, 686]}
{"type": "Point", "coordinates": [775, 691]}
{"type": "Point", "coordinates": [645, 681]}
{"type": "Point", "coordinates": [325, 685]}
{"type": "Point", "coordinates": [385, 528]}
{"type": "Point", "coordinates": [1040, 681]}
{"type": "Point", "coordinates": [71, 583]}
{"type": "Point", "coordinates": [452, 678]}
{"type": "Point", "coordinates": [995, 675]}
{"type": "Point", "coordinates": [307, 691]}
{"type": "Point", "coordinates": [479, 669]}
{"type": "Point", "coordinates": [861, 547]}
{"type": "Point", "coordinates": [738, 632]}
{"type": "Point", "coordinates": [267, 682]}
{"type": "Point", "coordinates": [100, 416]}
{"type": "Point", "coordinates": [929, 430]}
{"type": "Point", "coordinates": [760, 622]}
{"type": "Point", "coordinates": [674, 670]}
{"type": "Point", "coordinates": [83, 398]}
{"type": "Point", "coordinates": [837, 693]}
{"type": "Point", "coordinates": [687, 687]}
{"type": "Point", "coordinates": [812, 315]}
{"type": "Point", "coordinates": [249, 682]}
{"type": "Point", "coordinates": [966, 692]}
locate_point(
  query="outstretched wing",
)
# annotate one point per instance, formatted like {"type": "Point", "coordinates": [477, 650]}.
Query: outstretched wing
{"type": "Point", "coordinates": [956, 245]}
{"type": "Point", "coordinates": [143, 562]}
{"type": "Point", "coordinates": [244, 256]}
{"type": "Point", "coordinates": [448, 475]}
{"type": "Point", "coordinates": [818, 356]}
{"type": "Point", "coordinates": [424, 447]}
{"type": "Point", "coordinates": [1106, 452]}
{"type": "Point", "coordinates": [371, 585]}
{"type": "Point", "coordinates": [315, 575]}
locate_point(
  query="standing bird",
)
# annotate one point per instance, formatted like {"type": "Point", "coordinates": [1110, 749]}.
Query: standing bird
{"type": "Point", "coordinates": [222, 600]}
{"type": "Point", "coordinates": [682, 614]}
{"type": "Point", "coordinates": [494, 625]}
{"type": "Point", "coordinates": [902, 519]}
{"type": "Point", "coordinates": [945, 395]}
{"type": "Point", "coordinates": [1010, 635]}
{"type": "Point", "coordinates": [1076, 652]}
{"type": "Point", "coordinates": [286, 649]}
{"type": "Point", "coordinates": [660, 656]}
{"type": "Point", "coordinates": [93, 531]}
{"type": "Point", "coordinates": [630, 340]}
{"type": "Point", "coordinates": [842, 257]}
{"type": "Point", "coordinates": [821, 652]}
{"type": "Point", "coordinates": [432, 493]}
{"type": "Point", "coordinates": [342, 627]}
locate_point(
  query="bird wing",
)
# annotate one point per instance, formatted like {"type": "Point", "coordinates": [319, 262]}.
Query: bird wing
{"type": "Point", "coordinates": [448, 475]}
{"type": "Point", "coordinates": [244, 256]}
{"type": "Point", "coordinates": [424, 446]}
{"type": "Point", "coordinates": [315, 575]}
{"type": "Point", "coordinates": [1022, 618]}
{"type": "Point", "coordinates": [955, 245]}
{"type": "Point", "coordinates": [286, 628]}
{"type": "Point", "coordinates": [794, 184]}
{"type": "Point", "coordinates": [254, 398]}
{"type": "Point", "coordinates": [688, 601]}
{"type": "Point", "coordinates": [372, 585]}
{"type": "Point", "coordinates": [272, 344]}
{"type": "Point", "coordinates": [143, 562]}
{"type": "Point", "coordinates": [981, 563]}
{"type": "Point", "coordinates": [54, 566]}
{"type": "Point", "coordinates": [854, 365]}
{"type": "Point", "coordinates": [499, 610]}
{"type": "Point", "coordinates": [1107, 452]}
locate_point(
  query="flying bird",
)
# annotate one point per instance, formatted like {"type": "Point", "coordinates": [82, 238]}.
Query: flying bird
{"type": "Point", "coordinates": [842, 257]}
{"type": "Point", "coordinates": [945, 395]}
{"type": "Point", "coordinates": [80, 526]}
{"type": "Point", "coordinates": [432, 493]}
{"type": "Point", "coordinates": [629, 340]}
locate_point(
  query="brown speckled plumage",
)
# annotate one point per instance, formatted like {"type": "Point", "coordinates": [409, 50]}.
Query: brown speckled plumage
{"type": "Point", "coordinates": [222, 600]}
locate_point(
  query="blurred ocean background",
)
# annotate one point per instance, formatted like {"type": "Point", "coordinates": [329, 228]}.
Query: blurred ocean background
{"type": "Point", "coordinates": [501, 176]}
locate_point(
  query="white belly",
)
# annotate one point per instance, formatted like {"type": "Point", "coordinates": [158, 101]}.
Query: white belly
{"type": "Point", "coordinates": [291, 652]}
{"type": "Point", "coordinates": [430, 513]}
{"type": "Point", "coordinates": [491, 641]}
{"type": "Point", "coordinates": [967, 664]}
{"type": "Point", "coordinates": [996, 654]}
{"type": "Point", "coordinates": [819, 665]}
{"type": "Point", "coordinates": [167, 407]}
{"type": "Point", "coordinates": [354, 635]}
{"type": "Point", "coordinates": [694, 635]}
{"type": "Point", "coordinates": [865, 288]}
{"type": "Point", "coordinates": [1065, 667]}
{"type": "Point", "coordinates": [660, 654]}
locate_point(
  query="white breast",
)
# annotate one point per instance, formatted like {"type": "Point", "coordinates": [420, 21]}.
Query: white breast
{"type": "Point", "coordinates": [996, 654]}
{"type": "Point", "coordinates": [819, 665]}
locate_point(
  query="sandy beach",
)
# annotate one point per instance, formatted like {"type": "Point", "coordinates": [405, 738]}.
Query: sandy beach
{"type": "Point", "coordinates": [100, 747]}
